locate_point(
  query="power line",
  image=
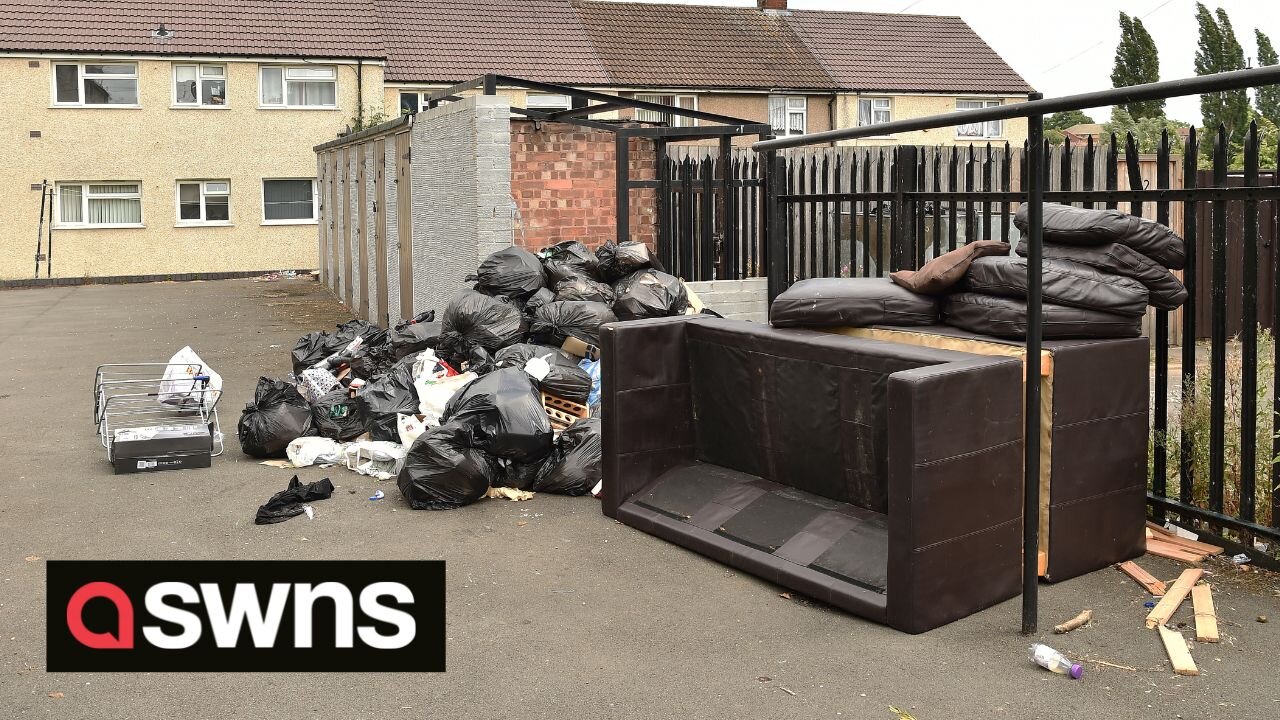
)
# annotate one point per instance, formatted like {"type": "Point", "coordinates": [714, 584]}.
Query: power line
{"type": "Point", "coordinates": [910, 5]}
{"type": "Point", "coordinates": [1091, 47]}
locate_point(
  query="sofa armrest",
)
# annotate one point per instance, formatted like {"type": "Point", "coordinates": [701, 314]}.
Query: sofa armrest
{"type": "Point", "coordinates": [646, 405]}
{"type": "Point", "coordinates": [955, 490]}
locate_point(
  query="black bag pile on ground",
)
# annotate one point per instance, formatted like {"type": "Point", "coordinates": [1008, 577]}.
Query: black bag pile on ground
{"type": "Point", "coordinates": [569, 258]}
{"type": "Point", "coordinates": [511, 272]}
{"type": "Point", "coordinates": [620, 260]}
{"type": "Point", "coordinates": [416, 335]}
{"type": "Point", "coordinates": [554, 322]}
{"type": "Point", "coordinates": [567, 383]}
{"type": "Point", "coordinates": [338, 416]}
{"type": "Point", "coordinates": [317, 346]}
{"type": "Point", "coordinates": [386, 397]}
{"type": "Point", "coordinates": [649, 294]}
{"type": "Point", "coordinates": [584, 288]}
{"type": "Point", "coordinates": [503, 415]}
{"type": "Point", "coordinates": [574, 467]}
{"type": "Point", "coordinates": [537, 300]}
{"type": "Point", "coordinates": [442, 471]}
{"type": "Point", "coordinates": [277, 416]}
{"type": "Point", "coordinates": [474, 319]}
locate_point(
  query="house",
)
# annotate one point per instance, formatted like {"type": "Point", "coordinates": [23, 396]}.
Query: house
{"type": "Point", "coordinates": [175, 137]}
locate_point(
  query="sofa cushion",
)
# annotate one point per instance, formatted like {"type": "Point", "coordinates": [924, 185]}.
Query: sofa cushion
{"type": "Point", "coordinates": [1063, 283]}
{"type": "Point", "coordinates": [851, 302]}
{"type": "Point", "coordinates": [1166, 291]}
{"type": "Point", "coordinates": [941, 273]}
{"type": "Point", "coordinates": [1007, 318]}
{"type": "Point", "coordinates": [1071, 225]}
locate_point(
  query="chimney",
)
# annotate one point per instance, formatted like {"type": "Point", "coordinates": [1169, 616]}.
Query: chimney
{"type": "Point", "coordinates": [771, 4]}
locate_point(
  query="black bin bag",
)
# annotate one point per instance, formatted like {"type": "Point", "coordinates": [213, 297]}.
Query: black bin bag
{"type": "Point", "coordinates": [554, 322]}
{"type": "Point", "coordinates": [277, 416]}
{"type": "Point", "coordinates": [474, 319]}
{"type": "Point", "coordinates": [517, 355]}
{"type": "Point", "coordinates": [537, 300]}
{"type": "Point", "coordinates": [442, 471]}
{"type": "Point", "coordinates": [619, 260]}
{"type": "Point", "coordinates": [409, 338]}
{"type": "Point", "coordinates": [503, 415]}
{"type": "Point", "coordinates": [584, 288]}
{"type": "Point", "coordinates": [385, 398]}
{"type": "Point", "coordinates": [574, 467]}
{"type": "Point", "coordinates": [567, 383]}
{"type": "Point", "coordinates": [512, 272]}
{"type": "Point", "coordinates": [316, 346]}
{"type": "Point", "coordinates": [649, 294]}
{"type": "Point", "coordinates": [337, 416]}
{"type": "Point", "coordinates": [571, 257]}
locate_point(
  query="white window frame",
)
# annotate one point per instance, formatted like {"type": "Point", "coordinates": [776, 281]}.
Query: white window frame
{"type": "Point", "coordinates": [200, 76]}
{"type": "Point", "coordinates": [315, 203]}
{"type": "Point", "coordinates": [872, 110]}
{"type": "Point", "coordinates": [204, 192]}
{"type": "Point", "coordinates": [84, 224]}
{"type": "Point", "coordinates": [80, 78]}
{"type": "Point", "coordinates": [284, 88]}
{"type": "Point", "coordinates": [791, 105]}
{"type": "Point", "coordinates": [987, 133]}
{"type": "Point", "coordinates": [422, 105]}
{"type": "Point", "coordinates": [547, 102]}
{"type": "Point", "coordinates": [643, 115]}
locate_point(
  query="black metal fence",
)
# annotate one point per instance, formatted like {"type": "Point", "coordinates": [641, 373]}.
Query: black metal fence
{"type": "Point", "coordinates": [859, 212]}
{"type": "Point", "coordinates": [693, 242]}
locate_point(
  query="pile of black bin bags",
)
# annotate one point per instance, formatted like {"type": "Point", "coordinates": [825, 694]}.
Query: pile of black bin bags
{"type": "Point", "coordinates": [1101, 269]}
{"type": "Point", "coordinates": [494, 431]}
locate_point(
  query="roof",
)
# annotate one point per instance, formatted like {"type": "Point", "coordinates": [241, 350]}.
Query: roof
{"type": "Point", "coordinates": [912, 53]}
{"type": "Point", "coordinates": [699, 46]}
{"type": "Point", "coordinates": [456, 40]}
{"type": "Point", "coordinates": [1086, 129]}
{"type": "Point", "coordinates": [288, 28]}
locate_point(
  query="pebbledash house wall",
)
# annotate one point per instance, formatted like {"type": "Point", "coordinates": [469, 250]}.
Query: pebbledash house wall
{"type": "Point", "coordinates": [156, 145]}
{"type": "Point", "coordinates": [563, 185]}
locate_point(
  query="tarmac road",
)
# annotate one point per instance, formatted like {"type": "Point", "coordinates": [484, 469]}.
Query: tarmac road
{"type": "Point", "coordinates": [567, 615]}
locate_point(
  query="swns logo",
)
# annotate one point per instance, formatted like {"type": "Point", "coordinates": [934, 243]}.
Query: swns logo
{"type": "Point", "coordinates": [245, 616]}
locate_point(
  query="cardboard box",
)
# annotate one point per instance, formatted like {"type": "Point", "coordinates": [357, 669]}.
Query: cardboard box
{"type": "Point", "coordinates": [161, 447]}
{"type": "Point", "coordinates": [156, 463]}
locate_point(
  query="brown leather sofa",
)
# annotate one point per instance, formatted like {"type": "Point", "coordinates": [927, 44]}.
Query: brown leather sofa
{"type": "Point", "coordinates": [882, 478]}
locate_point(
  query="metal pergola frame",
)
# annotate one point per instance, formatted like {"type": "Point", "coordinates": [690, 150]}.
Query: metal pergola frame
{"type": "Point", "coordinates": [1034, 111]}
{"type": "Point", "coordinates": [724, 129]}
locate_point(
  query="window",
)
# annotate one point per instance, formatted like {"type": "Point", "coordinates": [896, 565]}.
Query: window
{"type": "Point", "coordinates": [408, 102]}
{"type": "Point", "coordinates": [204, 202]}
{"type": "Point", "coordinates": [99, 204]}
{"type": "Point", "coordinates": [874, 111]}
{"type": "Point", "coordinates": [303, 86]}
{"type": "Point", "coordinates": [992, 129]}
{"type": "Point", "coordinates": [196, 85]}
{"type": "Point", "coordinates": [685, 102]}
{"type": "Point", "coordinates": [788, 114]}
{"type": "Point", "coordinates": [547, 102]}
{"type": "Point", "coordinates": [93, 84]}
{"type": "Point", "coordinates": [287, 202]}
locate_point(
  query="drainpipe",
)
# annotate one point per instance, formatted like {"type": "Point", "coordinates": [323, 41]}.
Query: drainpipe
{"type": "Point", "coordinates": [831, 113]}
{"type": "Point", "coordinates": [360, 91]}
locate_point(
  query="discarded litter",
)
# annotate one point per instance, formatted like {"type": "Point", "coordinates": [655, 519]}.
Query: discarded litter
{"type": "Point", "coordinates": [377, 495]}
{"type": "Point", "coordinates": [1078, 621]}
{"type": "Point", "coordinates": [1240, 559]}
{"type": "Point", "coordinates": [293, 501]}
{"type": "Point", "coordinates": [1050, 659]}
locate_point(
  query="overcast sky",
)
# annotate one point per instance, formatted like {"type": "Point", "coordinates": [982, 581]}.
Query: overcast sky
{"type": "Point", "coordinates": [1065, 48]}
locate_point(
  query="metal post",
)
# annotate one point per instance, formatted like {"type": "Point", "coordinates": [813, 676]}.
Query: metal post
{"type": "Point", "coordinates": [490, 84]}
{"type": "Point", "coordinates": [1031, 413]}
{"type": "Point", "coordinates": [44, 197]}
{"type": "Point", "coordinates": [724, 187]}
{"type": "Point", "coordinates": [622, 158]}
{"type": "Point", "coordinates": [775, 223]}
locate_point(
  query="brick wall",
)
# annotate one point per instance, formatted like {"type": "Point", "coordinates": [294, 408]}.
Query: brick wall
{"type": "Point", "coordinates": [563, 185]}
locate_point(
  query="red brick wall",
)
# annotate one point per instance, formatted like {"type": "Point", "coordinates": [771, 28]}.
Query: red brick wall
{"type": "Point", "coordinates": [563, 182]}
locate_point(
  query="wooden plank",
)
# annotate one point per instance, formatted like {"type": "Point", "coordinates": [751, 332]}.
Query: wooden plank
{"type": "Point", "coordinates": [1142, 577]}
{"type": "Point", "coordinates": [1168, 604]}
{"type": "Point", "coordinates": [380, 231]}
{"type": "Point", "coordinates": [1176, 646]}
{"type": "Point", "coordinates": [404, 220]}
{"type": "Point", "coordinates": [1206, 618]}
{"type": "Point", "coordinates": [1154, 530]}
{"type": "Point", "coordinates": [361, 306]}
{"type": "Point", "coordinates": [1160, 548]}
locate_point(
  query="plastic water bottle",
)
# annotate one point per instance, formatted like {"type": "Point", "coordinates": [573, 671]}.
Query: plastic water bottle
{"type": "Point", "coordinates": [1050, 659]}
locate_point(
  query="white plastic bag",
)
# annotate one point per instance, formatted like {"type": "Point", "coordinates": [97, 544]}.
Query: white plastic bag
{"type": "Point", "coordinates": [306, 451]}
{"type": "Point", "coordinates": [409, 428]}
{"type": "Point", "coordinates": [376, 458]}
{"type": "Point", "coordinates": [433, 395]}
{"type": "Point", "coordinates": [179, 382]}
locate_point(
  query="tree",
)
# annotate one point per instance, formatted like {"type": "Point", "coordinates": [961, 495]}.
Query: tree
{"type": "Point", "coordinates": [1268, 138]}
{"type": "Point", "coordinates": [1268, 98]}
{"type": "Point", "coordinates": [1137, 62]}
{"type": "Point", "coordinates": [1065, 119]}
{"type": "Point", "coordinates": [1145, 131]}
{"type": "Point", "coordinates": [1219, 51]}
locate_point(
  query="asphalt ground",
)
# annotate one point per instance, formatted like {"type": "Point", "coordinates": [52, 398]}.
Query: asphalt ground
{"type": "Point", "coordinates": [553, 609]}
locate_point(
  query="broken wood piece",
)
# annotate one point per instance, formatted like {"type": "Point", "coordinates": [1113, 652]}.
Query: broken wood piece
{"type": "Point", "coordinates": [1160, 548]}
{"type": "Point", "coordinates": [1176, 646]}
{"type": "Point", "coordinates": [1082, 619]}
{"type": "Point", "coordinates": [1168, 604]}
{"type": "Point", "coordinates": [1206, 618]}
{"type": "Point", "coordinates": [1142, 577]}
{"type": "Point", "coordinates": [1176, 539]}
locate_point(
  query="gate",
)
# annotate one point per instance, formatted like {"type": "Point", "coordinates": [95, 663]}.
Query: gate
{"type": "Point", "coordinates": [710, 222]}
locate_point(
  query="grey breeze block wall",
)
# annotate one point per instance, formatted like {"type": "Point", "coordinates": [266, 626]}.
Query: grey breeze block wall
{"type": "Point", "coordinates": [370, 273]}
{"type": "Point", "coordinates": [461, 175]}
{"type": "Point", "coordinates": [738, 299]}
